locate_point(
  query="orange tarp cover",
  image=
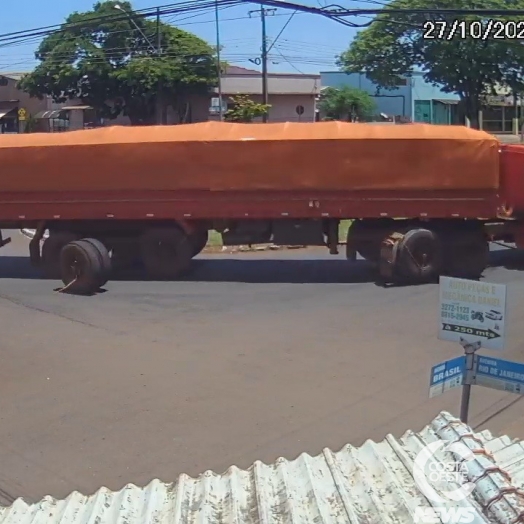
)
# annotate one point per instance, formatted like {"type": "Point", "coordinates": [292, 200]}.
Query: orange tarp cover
{"type": "Point", "coordinates": [225, 156]}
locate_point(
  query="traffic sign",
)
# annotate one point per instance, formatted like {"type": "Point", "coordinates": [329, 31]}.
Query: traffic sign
{"type": "Point", "coordinates": [22, 114]}
{"type": "Point", "coordinates": [500, 374]}
{"type": "Point", "coordinates": [447, 375]}
{"type": "Point", "coordinates": [472, 311]}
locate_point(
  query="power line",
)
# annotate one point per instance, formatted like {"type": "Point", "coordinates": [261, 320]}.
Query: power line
{"type": "Point", "coordinates": [334, 12]}
{"type": "Point", "coordinates": [193, 5]}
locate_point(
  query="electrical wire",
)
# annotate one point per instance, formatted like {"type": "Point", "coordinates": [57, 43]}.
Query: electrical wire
{"type": "Point", "coordinates": [193, 5]}
{"type": "Point", "coordinates": [334, 11]}
{"type": "Point", "coordinates": [281, 31]}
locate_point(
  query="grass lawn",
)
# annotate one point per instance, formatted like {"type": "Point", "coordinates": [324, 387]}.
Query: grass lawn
{"type": "Point", "coordinates": [215, 239]}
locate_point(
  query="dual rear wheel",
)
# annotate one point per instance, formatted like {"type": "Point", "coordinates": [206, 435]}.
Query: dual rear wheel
{"type": "Point", "coordinates": [413, 254]}
{"type": "Point", "coordinates": [85, 265]}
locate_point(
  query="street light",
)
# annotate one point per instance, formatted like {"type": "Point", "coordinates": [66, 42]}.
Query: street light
{"type": "Point", "coordinates": [120, 8]}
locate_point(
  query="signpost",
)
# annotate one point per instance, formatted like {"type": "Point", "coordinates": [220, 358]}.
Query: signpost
{"type": "Point", "coordinates": [473, 314]}
{"type": "Point", "coordinates": [500, 374]}
{"type": "Point", "coordinates": [447, 375]}
{"type": "Point", "coordinates": [471, 310]}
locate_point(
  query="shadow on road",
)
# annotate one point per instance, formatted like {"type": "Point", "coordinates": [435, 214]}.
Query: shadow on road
{"type": "Point", "coordinates": [507, 258]}
{"type": "Point", "coordinates": [264, 271]}
{"type": "Point", "coordinates": [282, 271]}
{"type": "Point", "coordinates": [233, 270]}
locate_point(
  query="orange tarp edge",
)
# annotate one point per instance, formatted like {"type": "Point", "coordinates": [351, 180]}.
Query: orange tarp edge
{"type": "Point", "coordinates": [224, 156]}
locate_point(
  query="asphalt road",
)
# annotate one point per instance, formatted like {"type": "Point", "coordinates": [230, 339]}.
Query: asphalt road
{"type": "Point", "coordinates": [255, 356]}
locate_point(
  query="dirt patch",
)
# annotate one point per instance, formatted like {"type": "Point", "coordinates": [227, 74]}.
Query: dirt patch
{"type": "Point", "coordinates": [247, 249]}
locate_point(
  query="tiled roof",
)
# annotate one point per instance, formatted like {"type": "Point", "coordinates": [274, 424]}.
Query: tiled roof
{"type": "Point", "coordinates": [372, 484]}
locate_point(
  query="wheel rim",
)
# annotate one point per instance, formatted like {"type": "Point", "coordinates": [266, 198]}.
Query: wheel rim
{"type": "Point", "coordinates": [72, 269]}
{"type": "Point", "coordinates": [423, 254]}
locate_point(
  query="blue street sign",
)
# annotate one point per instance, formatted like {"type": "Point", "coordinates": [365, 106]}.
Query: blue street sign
{"type": "Point", "coordinates": [447, 375]}
{"type": "Point", "coordinates": [500, 374]}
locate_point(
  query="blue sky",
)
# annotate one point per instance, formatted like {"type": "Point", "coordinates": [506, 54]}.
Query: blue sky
{"type": "Point", "coordinates": [308, 44]}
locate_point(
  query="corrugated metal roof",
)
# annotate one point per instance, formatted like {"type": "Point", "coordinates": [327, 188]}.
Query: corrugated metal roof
{"type": "Point", "coordinates": [372, 484]}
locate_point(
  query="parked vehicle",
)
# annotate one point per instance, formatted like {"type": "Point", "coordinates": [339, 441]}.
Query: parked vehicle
{"type": "Point", "coordinates": [477, 315]}
{"type": "Point", "coordinates": [493, 315]}
{"type": "Point", "coordinates": [115, 194]}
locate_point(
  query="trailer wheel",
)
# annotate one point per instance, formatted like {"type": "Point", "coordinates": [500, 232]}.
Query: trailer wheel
{"type": "Point", "coordinates": [468, 259]}
{"type": "Point", "coordinates": [166, 252]}
{"type": "Point", "coordinates": [125, 255]}
{"type": "Point", "coordinates": [365, 237]}
{"type": "Point", "coordinates": [104, 258]}
{"type": "Point", "coordinates": [51, 249]}
{"type": "Point", "coordinates": [419, 256]}
{"type": "Point", "coordinates": [199, 240]}
{"type": "Point", "coordinates": [82, 267]}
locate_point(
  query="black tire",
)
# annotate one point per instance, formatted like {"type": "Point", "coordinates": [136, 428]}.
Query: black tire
{"type": "Point", "coordinates": [125, 255]}
{"type": "Point", "coordinates": [166, 252]}
{"type": "Point", "coordinates": [468, 259]}
{"type": "Point", "coordinates": [199, 241]}
{"type": "Point", "coordinates": [81, 266]}
{"type": "Point", "coordinates": [419, 256]}
{"type": "Point", "coordinates": [366, 238]}
{"type": "Point", "coordinates": [51, 249]}
{"type": "Point", "coordinates": [103, 256]}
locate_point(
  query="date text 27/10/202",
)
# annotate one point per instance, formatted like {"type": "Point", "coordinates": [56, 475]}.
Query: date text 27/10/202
{"type": "Point", "coordinates": [473, 29]}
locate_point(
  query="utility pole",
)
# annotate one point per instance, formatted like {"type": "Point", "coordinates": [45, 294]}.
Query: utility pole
{"type": "Point", "coordinates": [219, 64]}
{"type": "Point", "coordinates": [265, 94]}
{"type": "Point", "coordinates": [160, 113]}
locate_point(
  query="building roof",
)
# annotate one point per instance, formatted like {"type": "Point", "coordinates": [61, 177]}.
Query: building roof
{"type": "Point", "coordinates": [241, 81]}
{"type": "Point", "coordinates": [237, 70]}
{"type": "Point", "coordinates": [13, 76]}
{"type": "Point", "coordinates": [372, 484]}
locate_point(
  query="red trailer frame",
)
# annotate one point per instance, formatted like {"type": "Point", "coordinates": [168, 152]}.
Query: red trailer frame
{"type": "Point", "coordinates": [198, 205]}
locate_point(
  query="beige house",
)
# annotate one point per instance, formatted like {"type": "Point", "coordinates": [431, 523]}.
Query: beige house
{"type": "Point", "coordinates": [292, 97]}
{"type": "Point", "coordinates": [16, 107]}
{"type": "Point", "coordinates": [190, 109]}
{"type": "Point", "coordinates": [15, 104]}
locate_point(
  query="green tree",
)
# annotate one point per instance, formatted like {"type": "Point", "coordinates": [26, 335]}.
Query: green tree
{"type": "Point", "coordinates": [100, 56]}
{"type": "Point", "coordinates": [346, 103]}
{"type": "Point", "coordinates": [394, 45]}
{"type": "Point", "coordinates": [245, 110]}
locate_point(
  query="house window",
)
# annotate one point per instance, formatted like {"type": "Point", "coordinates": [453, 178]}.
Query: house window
{"type": "Point", "coordinates": [8, 125]}
{"type": "Point", "coordinates": [59, 125]}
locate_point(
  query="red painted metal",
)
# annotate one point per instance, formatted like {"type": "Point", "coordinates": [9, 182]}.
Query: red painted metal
{"type": "Point", "coordinates": [512, 179]}
{"type": "Point", "coordinates": [188, 206]}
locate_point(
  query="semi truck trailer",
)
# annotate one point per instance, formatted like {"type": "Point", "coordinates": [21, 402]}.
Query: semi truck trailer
{"type": "Point", "coordinates": [424, 200]}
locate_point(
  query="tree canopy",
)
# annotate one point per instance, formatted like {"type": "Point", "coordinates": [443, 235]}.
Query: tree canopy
{"type": "Point", "coordinates": [395, 45]}
{"type": "Point", "coordinates": [102, 58]}
{"type": "Point", "coordinates": [245, 110]}
{"type": "Point", "coordinates": [346, 103]}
